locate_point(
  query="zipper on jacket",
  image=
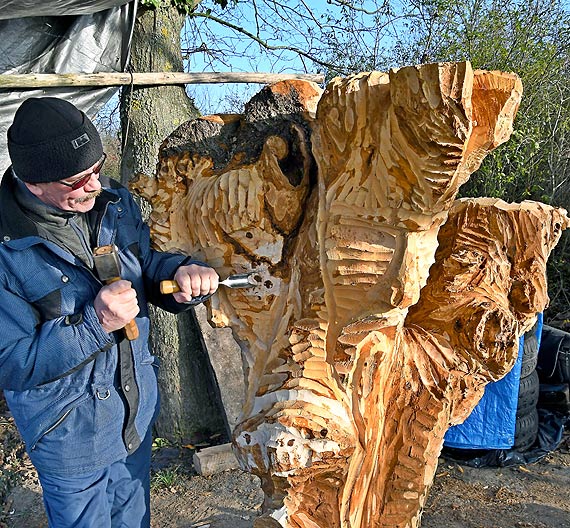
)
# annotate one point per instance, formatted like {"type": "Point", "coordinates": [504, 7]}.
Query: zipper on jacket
{"type": "Point", "coordinates": [99, 223]}
{"type": "Point", "coordinates": [54, 426]}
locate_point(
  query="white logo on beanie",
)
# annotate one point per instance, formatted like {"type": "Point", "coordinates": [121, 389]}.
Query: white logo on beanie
{"type": "Point", "coordinates": [80, 141]}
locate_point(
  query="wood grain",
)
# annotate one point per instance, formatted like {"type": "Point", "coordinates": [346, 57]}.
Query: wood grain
{"type": "Point", "coordinates": [384, 305]}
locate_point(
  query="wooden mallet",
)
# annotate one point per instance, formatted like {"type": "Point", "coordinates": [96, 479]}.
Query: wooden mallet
{"type": "Point", "coordinates": [108, 268]}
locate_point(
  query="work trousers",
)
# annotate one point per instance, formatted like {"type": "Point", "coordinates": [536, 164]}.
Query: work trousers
{"type": "Point", "coordinates": [117, 496]}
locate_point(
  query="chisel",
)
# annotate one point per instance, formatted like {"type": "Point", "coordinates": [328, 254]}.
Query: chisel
{"type": "Point", "coordinates": [240, 280]}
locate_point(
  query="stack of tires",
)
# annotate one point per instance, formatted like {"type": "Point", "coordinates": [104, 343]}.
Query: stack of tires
{"type": "Point", "coordinates": [554, 370]}
{"type": "Point", "coordinates": [526, 426]}
{"type": "Point", "coordinates": [512, 423]}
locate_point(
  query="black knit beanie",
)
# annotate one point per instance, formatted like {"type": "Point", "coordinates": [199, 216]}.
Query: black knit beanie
{"type": "Point", "coordinates": [50, 140]}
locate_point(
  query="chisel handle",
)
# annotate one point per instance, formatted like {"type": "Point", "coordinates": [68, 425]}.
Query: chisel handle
{"type": "Point", "coordinates": [169, 286]}
{"type": "Point", "coordinates": [243, 280]}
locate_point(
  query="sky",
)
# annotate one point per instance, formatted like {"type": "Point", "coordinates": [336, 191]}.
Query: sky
{"type": "Point", "coordinates": [221, 49]}
{"type": "Point", "coordinates": [218, 42]}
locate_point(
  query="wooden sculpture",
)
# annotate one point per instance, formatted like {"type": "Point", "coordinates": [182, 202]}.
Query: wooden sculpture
{"type": "Point", "coordinates": [341, 204]}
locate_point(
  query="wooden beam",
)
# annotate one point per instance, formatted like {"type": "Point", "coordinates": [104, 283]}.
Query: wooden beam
{"type": "Point", "coordinates": [214, 459]}
{"type": "Point", "coordinates": [51, 80]}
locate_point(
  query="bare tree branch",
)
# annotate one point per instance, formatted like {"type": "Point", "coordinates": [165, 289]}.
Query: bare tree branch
{"type": "Point", "coordinates": [353, 7]}
{"type": "Point", "coordinates": [265, 44]}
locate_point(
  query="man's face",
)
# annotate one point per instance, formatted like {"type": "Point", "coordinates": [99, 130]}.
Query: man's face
{"type": "Point", "coordinates": [63, 195]}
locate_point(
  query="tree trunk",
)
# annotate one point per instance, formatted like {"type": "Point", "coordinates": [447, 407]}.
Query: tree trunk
{"type": "Point", "coordinates": [366, 335]}
{"type": "Point", "coordinates": [190, 402]}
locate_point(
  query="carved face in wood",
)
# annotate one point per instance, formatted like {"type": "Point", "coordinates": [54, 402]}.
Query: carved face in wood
{"type": "Point", "coordinates": [254, 203]}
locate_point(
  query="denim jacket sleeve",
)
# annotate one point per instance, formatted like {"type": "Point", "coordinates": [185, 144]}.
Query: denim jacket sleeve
{"type": "Point", "coordinates": [32, 354]}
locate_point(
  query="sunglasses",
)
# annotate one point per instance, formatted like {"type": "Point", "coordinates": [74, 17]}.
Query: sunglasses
{"type": "Point", "coordinates": [82, 182]}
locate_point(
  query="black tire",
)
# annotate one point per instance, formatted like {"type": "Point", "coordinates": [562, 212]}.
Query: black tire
{"type": "Point", "coordinates": [529, 389]}
{"type": "Point", "coordinates": [554, 358]}
{"type": "Point", "coordinates": [526, 430]}
{"type": "Point", "coordinates": [564, 365]}
{"type": "Point", "coordinates": [530, 353]}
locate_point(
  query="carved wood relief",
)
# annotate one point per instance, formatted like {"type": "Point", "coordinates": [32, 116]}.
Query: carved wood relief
{"type": "Point", "coordinates": [382, 306]}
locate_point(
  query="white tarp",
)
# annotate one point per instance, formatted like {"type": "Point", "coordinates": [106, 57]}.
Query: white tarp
{"type": "Point", "coordinates": [62, 36]}
{"type": "Point", "coordinates": [34, 8]}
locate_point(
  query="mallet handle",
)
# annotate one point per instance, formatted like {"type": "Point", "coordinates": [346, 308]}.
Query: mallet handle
{"type": "Point", "coordinates": [131, 329]}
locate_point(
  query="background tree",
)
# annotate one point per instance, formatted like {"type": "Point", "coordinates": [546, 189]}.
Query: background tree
{"type": "Point", "coordinates": [531, 38]}
{"type": "Point", "coordinates": [190, 405]}
{"type": "Point", "coordinates": [263, 35]}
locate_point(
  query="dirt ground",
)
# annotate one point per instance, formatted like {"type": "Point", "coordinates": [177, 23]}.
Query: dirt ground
{"type": "Point", "coordinates": [531, 496]}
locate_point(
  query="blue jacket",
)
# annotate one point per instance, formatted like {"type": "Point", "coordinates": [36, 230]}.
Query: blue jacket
{"type": "Point", "coordinates": [58, 367]}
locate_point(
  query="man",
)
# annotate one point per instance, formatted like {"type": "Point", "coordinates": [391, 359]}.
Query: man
{"type": "Point", "coordinates": [83, 396]}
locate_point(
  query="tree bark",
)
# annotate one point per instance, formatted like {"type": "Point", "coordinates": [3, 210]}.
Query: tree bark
{"type": "Point", "coordinates": [190, 403]}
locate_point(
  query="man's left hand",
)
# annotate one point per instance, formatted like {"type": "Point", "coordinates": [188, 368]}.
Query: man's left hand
{"type": "Point", "coordinates": [195, 280]}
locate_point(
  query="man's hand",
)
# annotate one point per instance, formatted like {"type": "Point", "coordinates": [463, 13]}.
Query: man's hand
{"type": "Point", "coordinates": [115, 305]}
{"type": "Point", "coordinates": [195, 280]}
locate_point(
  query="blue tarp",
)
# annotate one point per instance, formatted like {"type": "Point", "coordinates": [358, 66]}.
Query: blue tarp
{"type": "Point", "coordinates": [491, 425]}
